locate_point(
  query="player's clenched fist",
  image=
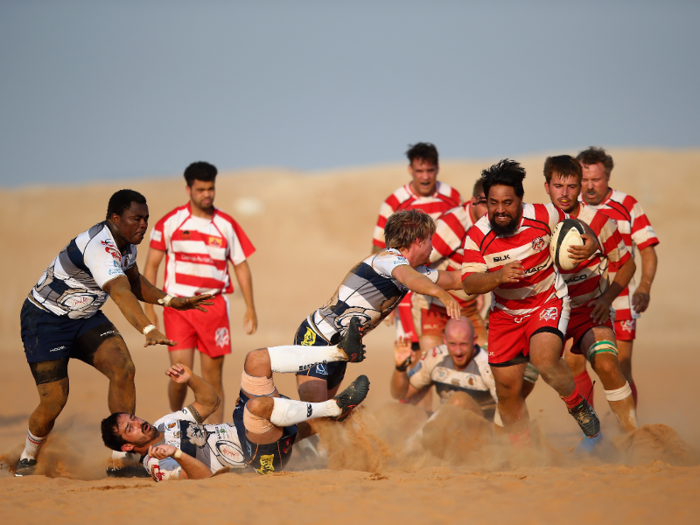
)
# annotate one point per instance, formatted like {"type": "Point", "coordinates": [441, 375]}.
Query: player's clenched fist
{"type": "Point", "coordinates": [511, 272]}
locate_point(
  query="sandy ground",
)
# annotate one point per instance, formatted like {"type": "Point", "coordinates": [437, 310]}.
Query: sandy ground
{"type": "Point", "coordinates": [309, 230]}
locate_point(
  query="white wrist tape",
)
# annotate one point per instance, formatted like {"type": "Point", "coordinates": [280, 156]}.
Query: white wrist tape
{"type": "Point", "coordinates": [148, 329]}
{"type": "Point", "coordinates": [165, 301]}
{"type": "Point", "coordinates": [177, 454]}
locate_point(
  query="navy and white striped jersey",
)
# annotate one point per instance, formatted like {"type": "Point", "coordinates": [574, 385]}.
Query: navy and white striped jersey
{"type": "Point", "coordinates": [72, 285]}
{"type": "Point", "coordinates": [368, 292]}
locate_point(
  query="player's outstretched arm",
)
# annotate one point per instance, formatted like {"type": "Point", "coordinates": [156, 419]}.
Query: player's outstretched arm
{"type": "Point", "coordinates": [192, 468]}
{"type": "Point", "coordinates": [120, 290]}
{"type": "Point", "coordinates": [400, 385]}
{"type": "Point", "coordinates": [480, 283]}
{"type": "Point", "coordinates": [601, 306]}
{"type": "Point", "coordinates": [150, 273]}
{"type": "Point", "coordinates": [206, 400]}
{"type": "Point", "coordinates": [419, 283]}
{"type": "Point", "coordinates": [591, 244]}
{"type": "Point", "coordinates": [245, 283]}
{"type": "Point", "coordinates": [641, 296]}
{"type": "Point", "coordinates": [146, 292]}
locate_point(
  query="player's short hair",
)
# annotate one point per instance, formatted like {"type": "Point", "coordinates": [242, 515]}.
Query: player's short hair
{"type": "Point", "coordinates": [478, 187]}
{"type": "Point", "coordinates": [506, 173]}
{"type": "Point", "coordinates": [200, 171]}
{"type": "Point", "coordinates": [422, 150]}
{"type": "Point", "coordinates": [404, 227]}
{"type": "Point", "coordinates": [563, 165]}
{"type": "Point", "coordinates": [594, 155]}
{"type": "Point", "coordinates": [121, 201]}
{"type": "Point", "coordinates": [110, 432]}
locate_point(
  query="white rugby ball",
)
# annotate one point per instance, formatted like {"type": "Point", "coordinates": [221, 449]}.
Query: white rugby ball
{"type": "Point", "coordinates": [567, 233]}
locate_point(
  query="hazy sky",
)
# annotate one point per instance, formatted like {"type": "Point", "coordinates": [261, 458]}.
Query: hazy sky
{"type": "Point", "coordinates": [100, 89]}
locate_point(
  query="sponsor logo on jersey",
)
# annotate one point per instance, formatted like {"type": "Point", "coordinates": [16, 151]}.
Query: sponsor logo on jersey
{"type": "Point", "coordinates": [538, 244]}
{"type": "Point", "coordinates": [215, 241]}
{"type": "Point", "coordinates": [576, 278]}
{"type": "Point", "coordinates": [501, 258]}
{"type": "Point", "coordinates": [321, 370]}
{"type": "Point", "coordinates": [222, 338]}
{"type": "Point", "coordinates": [230, 452]}
{"type": "Point", "coordinates": [112, 250]}
{"type": "Point", "coordinates": [108, 332]}
{"type": "Point", "coordinates": [535, 269]}
{"type": "Point", "coordinates": [309, 410]}
{"type": "Point", "coordinates": [309, 338]}
{"type": "Point", "coordinates": [57, 349]}
{"type": "Point", "coordinates": [266, 464]}
{"type": "Point", "coordinates": [78, 301]}
{"type": "Point", "coordinates": [549, 314]}
{"type": "Point", "coordinates": [628, 326]}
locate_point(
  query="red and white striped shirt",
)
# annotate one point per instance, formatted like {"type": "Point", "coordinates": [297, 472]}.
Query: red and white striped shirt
{"type": "Point", "coordinates": [448, 245]}
{"type": "Point", "coordinates": [444, 198]}
{"type": "Point", "coordinates": [198, 251]}
{"type": "Point", "coordinates": [486, 252]}
{"type": "Point", "coordinates": [636, 230]}
{"type": "Point", "coordinates": [590, 279]}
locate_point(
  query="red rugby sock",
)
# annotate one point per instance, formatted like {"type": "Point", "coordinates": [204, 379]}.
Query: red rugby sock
{"type": "Point", "coordinates": [574, 399]}
{"type": "Point", "coordinates": [634, 393]}
{"type": "Point", "coordinates": [585, 385]}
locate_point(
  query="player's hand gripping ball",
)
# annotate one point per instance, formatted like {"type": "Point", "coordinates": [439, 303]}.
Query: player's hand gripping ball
{"type": "Point", "coordinates": [567, 233]}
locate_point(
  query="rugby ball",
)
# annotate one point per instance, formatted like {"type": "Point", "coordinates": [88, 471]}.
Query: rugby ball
{"type": "Point", "coordinates": [567, 233]}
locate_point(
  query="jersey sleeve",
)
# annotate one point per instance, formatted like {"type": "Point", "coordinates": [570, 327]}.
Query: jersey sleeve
{"type": "Point", "coordinates": [419, 376]}
{"type": "Point", "coordinates": [431, 274]}
{"type": "Point", "coordinates": [612, 245]}
{"type": "Point", "coordinates": [448, 238]}
{"type": "Point", "coordinates": [104, 260]}
{"type": "Point", "coordinates": [385, 262]}
{"type": "Point", "coordinates": [158, 240]}
{"type": "Point", "coordinates": [385, 211]}
{"type": "Point", "coordinates": [473, 261]}
{"type": "Point", "coordinates": [241, 247]}
{"type": "Point", "coordinates": [555, 215]}
{"type": "Point", "coordinates": [643, 234]}
{"type": "Point", "coordinates": [162, 469]}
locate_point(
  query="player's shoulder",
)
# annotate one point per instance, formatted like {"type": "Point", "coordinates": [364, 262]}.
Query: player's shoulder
{"type": "Point", "coordinates": [435, 356]}
{"type": "Point", "coordinates": [448, 191]}
{"type": "Point", "coordinates": [596, 219]}
{"type": "Point", "coordinates": [174, 214]}
{"type": "Point", "coordinates": [480, 230]}
{"type": "Point", "coordinates": [625, 199]}
{"type": "Point", "coordinates": [223, 216]}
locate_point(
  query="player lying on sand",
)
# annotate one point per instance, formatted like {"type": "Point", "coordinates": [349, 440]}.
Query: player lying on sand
{"type": "Point", "coordinates": [371, 290]}
{"type": "Point", "coordinates": [590, 326]}
{"type": "Point", "coordinates": [265, 424]}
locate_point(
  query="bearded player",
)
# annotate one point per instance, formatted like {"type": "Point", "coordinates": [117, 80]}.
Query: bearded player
{"type": "Point", "coordinates": [506, 253]}
{"type": "Point", "coordinates": [591, 326]}
{"type": "Point", "coordinates": [636, 231]}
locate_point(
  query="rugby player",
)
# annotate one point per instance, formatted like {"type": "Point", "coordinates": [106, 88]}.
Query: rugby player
{"type": "Point", "coordinates": [506, 252]}
{"type": "Point", "coordinates": [370, 292]}
{"type": "Point", "coordinates": [265, 424]}
{"type": "Point", "coordinates": [590, 327]}
{"type": "Point", "coordinates": [636, 231]}
{"type": "Point", "coordinates": [61, 318]}
{"type": "Point", "coordinates": [200, 241]}
{"type": "Point", "coordinates": [426, 193]}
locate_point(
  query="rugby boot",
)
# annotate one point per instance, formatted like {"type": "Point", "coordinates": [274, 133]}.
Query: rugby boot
{"type": "Point", "coordinates": [25, 467]}
{"type": "Point", "coordinates": [351, 342]}
{"type": "Point", "coordinates": [589, 445]}
{"type": "Point", "coordinates": [586, 418]}
{"type": "Point", "coordinates": [352, 396]}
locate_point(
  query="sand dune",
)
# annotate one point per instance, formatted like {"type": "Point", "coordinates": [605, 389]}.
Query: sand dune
{"type": "Point", "coordinates": [309, 229]}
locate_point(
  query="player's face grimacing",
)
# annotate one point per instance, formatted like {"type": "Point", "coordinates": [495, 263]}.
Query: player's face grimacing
{"type": "Point", "coordinates": [563, 191]}
{"type": "Point", "coordinates": [505, 209]}
{"type": "Point", "coordinates": [425, 247]}
{"type": "Point", "coordinates": [132, 224]}
{"type": "Point", "coordinates": [135, 430]}
{"type": "Point", "coordinates": [461, 348]}
{"type": "Point", "coordinates": [594, 183]}
{"type": "Point", "coordinates": [424, 174]}
{"type": "Point", "coordinates": [202, 194]}
{"type": "Point", "coordinates": [479, 206]}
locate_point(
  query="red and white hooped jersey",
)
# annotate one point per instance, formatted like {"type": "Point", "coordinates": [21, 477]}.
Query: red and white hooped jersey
{"type": "Point", "coordinates": [444, 198]}
{"type": "Point", "coordinates": [486, 252]}
{"type": "Point", "coordinates": [636, 230]}
{"type": "Point", "coordinates": [448, 244]}
{"type": "Point", "coordinates": [591, 278]}
{"type": "Point", "coordinates": [198, 251]}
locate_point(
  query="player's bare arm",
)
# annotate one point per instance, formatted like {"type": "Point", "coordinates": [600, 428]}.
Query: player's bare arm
{"type": "Point", "coordinates": [590, 245]}
{"type": "Point", "coordinates": [206, 400]}
{"type": "Point", "coordinates": [480, 283]}
{"type": "Point", "coordinates": [399, 380]}
{"type": "Point", "coordinates": [245, 283]}
{"type": "Point", "coordinates": [419, 283]}
{"type": "Point", "coordinates": [641, 296]}
{"type": "Point", "coordinates": [120, 290]}
{"type": "Point", "coordinates": [150, 272]}
{"type": "Point", "coordinates": [601, 306]}
{"type": "Point", "coordinates": [149, 294]}
{"type": "Point", "coordinates": [192, 468]}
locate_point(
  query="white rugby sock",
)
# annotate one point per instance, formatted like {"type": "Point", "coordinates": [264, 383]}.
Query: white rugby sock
{"type": "Point", "coordinates": [32, 445]}
{"type": "Point", "coordinates": [287, 412]}
{"type": "Point", "coordinates": [291, 359]}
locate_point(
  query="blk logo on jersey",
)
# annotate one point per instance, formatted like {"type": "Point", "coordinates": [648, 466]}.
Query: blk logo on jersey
{"type": "Point", "coordinates": [222, 337]}
{"type": "Point", "coordinates": [550, 314]}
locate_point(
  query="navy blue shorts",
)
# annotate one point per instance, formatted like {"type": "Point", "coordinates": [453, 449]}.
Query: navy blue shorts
{"type": "Point", "coordinates": [51, 338]}
{"type": "Point", "coordinates": [268, 458]}
{"type": "Point", "coordinates": [333, 373]}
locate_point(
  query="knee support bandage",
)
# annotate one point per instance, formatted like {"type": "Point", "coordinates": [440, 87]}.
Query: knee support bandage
{"type": "Point", "coordinates": [600, 347]}
{"type": "Point", "coordinates": [257, 386]}
{"type": "Point", "coordinates": [256, 424]}
{"type": "Point", "coordinates": [619, 394]}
